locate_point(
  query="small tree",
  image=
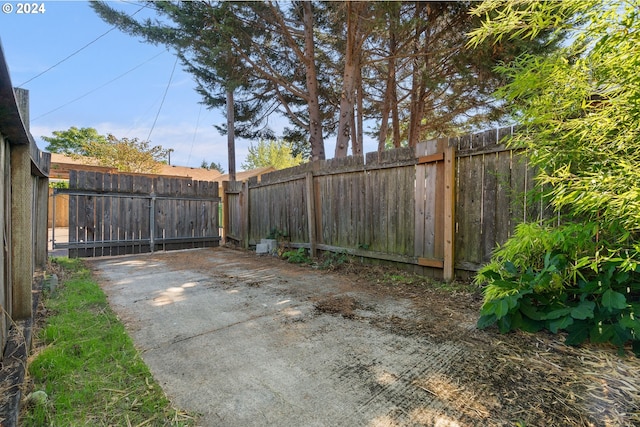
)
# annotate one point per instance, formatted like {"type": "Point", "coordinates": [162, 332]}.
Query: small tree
{"type": "Point", "coordinates": [212, 166]}
{"type": "Point", "coordinates": [127, 155]}
{"type": "Point", "coordinates": [271, 153]}
{"type": "Point", "coordinates": [73, 140]}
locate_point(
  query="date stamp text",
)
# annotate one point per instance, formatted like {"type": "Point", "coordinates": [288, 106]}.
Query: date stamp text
{"type": "Point", "coordinates": [24, 8]}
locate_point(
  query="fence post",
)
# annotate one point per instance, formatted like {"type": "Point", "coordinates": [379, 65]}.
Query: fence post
{"type": "Point", "coordinates": [311, 213]}
{"type": "Point", "coordinates": [225, 210]}
{"type": "Point", "coordinates": [152, 222]}
{"type": "Point", "coordinates": [448, 273]}
{"type": "Point", "coordinates": [244, 203]}
{"type": "Point", "coordinates": [21, 245]}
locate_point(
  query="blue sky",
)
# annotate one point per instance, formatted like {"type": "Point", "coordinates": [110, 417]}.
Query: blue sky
{"type": "Point", "coordinates": [115, 85]}
{"type": "Point", "coordinates": [126, 107]}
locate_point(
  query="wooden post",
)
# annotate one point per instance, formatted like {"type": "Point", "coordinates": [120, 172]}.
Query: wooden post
{"type": "Point", "coordinates": [21, 231]}
{"type": "Point", "coordinates": [152, 222]}
{"type": "Point", "coordinates": [244, 205]}
{"type": "Point", "coordinates": [311, 214]}
{"type": "Point", "coordinates": [448, 273]}
{"type": "Point", "coordinates": [225, 210]}
{"type": "Point", "coordinates": [41, 213]}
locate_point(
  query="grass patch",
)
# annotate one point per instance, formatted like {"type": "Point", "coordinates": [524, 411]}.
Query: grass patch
{"type": "Point", "coordinates": [87, 365]}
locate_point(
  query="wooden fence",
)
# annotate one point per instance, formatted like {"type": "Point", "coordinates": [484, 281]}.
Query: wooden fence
{"type": "Point", "coordinates": [24, 171]}
{"type": "Point", "coordinates": [442, 207]}
{"type": "Point", "coordinates": [114, 214]}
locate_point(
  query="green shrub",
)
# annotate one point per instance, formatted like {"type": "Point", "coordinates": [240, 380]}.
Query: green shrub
{"type": "Point", "coordinates": [298, 256]}
{"type": "Point", "coordinates": [564, 278]}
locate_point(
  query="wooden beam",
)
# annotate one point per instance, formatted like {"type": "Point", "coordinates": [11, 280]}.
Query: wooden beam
{"type": "Point", "coordinates": [437, 157]}
{"type": "Point", "coordinates": [426, 262]}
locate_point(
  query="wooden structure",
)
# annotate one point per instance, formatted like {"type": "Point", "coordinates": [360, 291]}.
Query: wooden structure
{"type": "Point", "coordinates": [441, 208]}
{"type": "Point", "coordinates": [115, 214]}
{"type": "Point", "coordinates": [23, 204]}
{"type": "Point", "coordinates": [23, 208]}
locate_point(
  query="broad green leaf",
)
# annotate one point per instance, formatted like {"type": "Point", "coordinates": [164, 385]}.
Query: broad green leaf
{"type": "Point", "coordinates": [578, 333]}
{"type": "Point", "coordinates": [502, 308]}
{"type": "Point", "coordinates": [584, 310]}
{"type": "Point", "coordinates": [613, 300]}
{"type": "Point", "coordinates": [620, 335]}
{"type": "Point", "coordinates": [601, 333]}
{"type": "Point", "coordinates": [561, 323]}
{"type": "Point", "coordinates": [555, 314]}
{"type": "Point", "coordinates": [531, 311]}
{"type": "Point", "coordinates": [504, 324]}
{"type": "Point", "coordinates": [486, 321]}
{"type": "Point", "coordinates": [522, 321]}
{"type": "Point", "coordinates": [630, 323]}
{"type": "Point", "coordinates": [510, 268]}
{"type": "Point", "coordinates": [489, 308]}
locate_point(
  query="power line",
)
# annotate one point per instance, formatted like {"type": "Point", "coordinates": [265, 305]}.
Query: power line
{"type": "Point", "coordinates": [99, 87]}
{"type": "Point", "coordinates": [74, 53]}
{"type": "Point", "coordinates": [163, 98]}
{"type": "Point", "coordinates": [195, 132]}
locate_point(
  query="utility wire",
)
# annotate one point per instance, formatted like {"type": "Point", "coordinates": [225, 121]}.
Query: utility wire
{"type": "Point", "coordinates": [195, 132]}
{"type": "Point", "coordinates": [99, 87]}
{"type": "Point", "coordinates": [74, 53]}
{"type": "Point", "coordinates": [163, 98]}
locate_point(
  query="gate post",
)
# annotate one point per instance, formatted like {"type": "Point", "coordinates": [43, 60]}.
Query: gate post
{"type": "Point", "coordinates": [152, 222]}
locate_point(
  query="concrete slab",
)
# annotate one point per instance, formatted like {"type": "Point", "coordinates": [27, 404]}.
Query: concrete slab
{"type": "Point", "coordinates": [238, 340]}
{"type": "Point", "coordinates": [249, 340]}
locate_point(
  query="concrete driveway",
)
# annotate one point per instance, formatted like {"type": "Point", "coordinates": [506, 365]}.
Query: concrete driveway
{"type": "Point", "coordinates": [244, 340]}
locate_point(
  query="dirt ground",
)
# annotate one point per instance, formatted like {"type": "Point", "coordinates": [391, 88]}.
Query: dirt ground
{"type": "Point", "coordinates": [242, 339]}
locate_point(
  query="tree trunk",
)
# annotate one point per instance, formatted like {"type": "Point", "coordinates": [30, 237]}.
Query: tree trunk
{"type": "Point", "coordinates": [359, 122]}
{"type": "Point", "coordinates": [351, 71]}
{"type": "Point", "coordinates": [417, 81]}
{"type": "Point", "coordinates": [390, 101]}
{"type": "Point", "coordinates": [315, 117]}
{"type": "Point", "coordinates": [231, 143]}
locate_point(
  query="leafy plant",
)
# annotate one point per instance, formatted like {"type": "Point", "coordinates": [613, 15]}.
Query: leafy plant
{"type": "Point", "coordinates": [579, 119]}
{"type": "Point", "coordinates": [333, 260]}
{"type": "Point", "coordinates": [298, 256]}
{"type": "Point", "coordinates": [544, 278]}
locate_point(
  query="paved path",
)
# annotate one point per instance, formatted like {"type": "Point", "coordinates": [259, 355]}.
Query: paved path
{"type": "Point", "coordinates": [245, 341]}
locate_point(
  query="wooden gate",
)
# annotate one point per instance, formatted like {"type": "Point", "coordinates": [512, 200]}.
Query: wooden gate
{"type": "Point", "coordinates": [116, 214]}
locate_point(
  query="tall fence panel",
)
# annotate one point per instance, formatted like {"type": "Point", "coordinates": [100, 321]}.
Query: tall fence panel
{"type": "Point", "coordinates": [494, 187]}
{"type": "Point", "coordinates": [442, 206]}
{"type": "Point", "coordinates": [116, 214]}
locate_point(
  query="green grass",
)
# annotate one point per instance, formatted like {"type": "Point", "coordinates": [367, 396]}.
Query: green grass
{"type": "Point", "coordinates": [88, 366]}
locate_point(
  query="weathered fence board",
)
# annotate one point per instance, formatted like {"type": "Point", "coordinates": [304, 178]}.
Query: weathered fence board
{"type": "Point", "coordinates": [447, 203]}
{"type": "Point", "coordinates": [114, 214]}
